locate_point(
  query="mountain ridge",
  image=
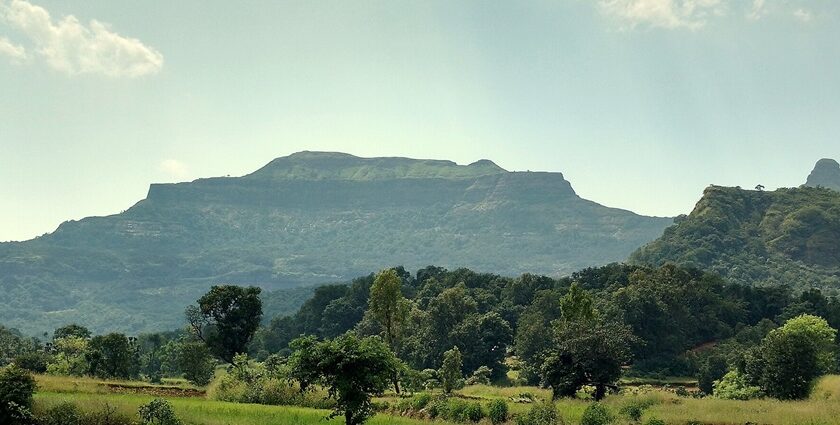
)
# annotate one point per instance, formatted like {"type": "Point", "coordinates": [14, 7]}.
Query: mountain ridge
{"type": "Point", "coordinates": [305, 219]}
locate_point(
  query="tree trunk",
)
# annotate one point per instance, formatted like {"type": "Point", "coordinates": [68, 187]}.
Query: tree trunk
{"type": "Point", "coordinates": [348, 417]}
{"type": "Point", "coordinates": [600, 391]}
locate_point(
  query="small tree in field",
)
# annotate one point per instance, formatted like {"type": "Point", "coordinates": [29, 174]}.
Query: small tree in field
{"type": "Point", "coordinates": [226, 319]}
{"type": "Point", "coordinates": [451, 377]}
{"type": "Point", "coordinates": [352, 369]}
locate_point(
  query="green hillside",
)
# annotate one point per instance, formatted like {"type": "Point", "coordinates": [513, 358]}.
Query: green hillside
{"type": "Point", "coordinates": [306, 219]}
{"type": "Point", "coordinates": [785, 237]}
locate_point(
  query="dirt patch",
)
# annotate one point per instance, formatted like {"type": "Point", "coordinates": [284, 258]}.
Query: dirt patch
{"type": "Point", "coordinates": [154, 390]}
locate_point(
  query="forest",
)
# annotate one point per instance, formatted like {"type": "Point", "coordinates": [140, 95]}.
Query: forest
{"type": "Point", "coordinates": [427, 339]}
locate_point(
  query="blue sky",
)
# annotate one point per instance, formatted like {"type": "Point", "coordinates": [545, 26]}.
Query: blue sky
{"type": "Point", "coordinates": [640, 103]}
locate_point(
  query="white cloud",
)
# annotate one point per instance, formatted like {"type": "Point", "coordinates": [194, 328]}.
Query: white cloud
{"type": "Point", "coordinates": [758, 10]}
{"type": "Point", "coordinates": [669, 14]}
{"type": "Point", "coordinates": [14, 51]}
{"type": "Point", "coordinates": [803, 15]}
{"type": "Point", "coordinates": [70, 46]}
{"type": "Point", "coordinates": [175, 168]}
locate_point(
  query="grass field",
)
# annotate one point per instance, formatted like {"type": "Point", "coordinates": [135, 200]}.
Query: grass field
{"type": "Point", "coordinates": [822, 408]}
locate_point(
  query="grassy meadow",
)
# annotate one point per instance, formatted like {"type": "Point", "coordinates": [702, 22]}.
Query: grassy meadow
{"type": "Point", "coordinates": [192, 406]}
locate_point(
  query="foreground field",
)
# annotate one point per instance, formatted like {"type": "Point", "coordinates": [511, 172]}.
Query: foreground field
{"type": "Point", "coordinates": [822, 408]}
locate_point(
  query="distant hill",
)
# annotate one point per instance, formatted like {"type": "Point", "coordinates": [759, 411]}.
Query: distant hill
{"type": "Point", "coordinates": [826, 174]}
{"type": "Point", "coordinates": [785, 237]}
{"type": "Point", "coordinates": [305, 219]}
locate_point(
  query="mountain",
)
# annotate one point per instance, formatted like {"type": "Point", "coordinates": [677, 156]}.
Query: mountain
{"type": "Point", "coordinates": [826, 174]}
{"type": "Point", "coordinates": [305, 219]}
{"type": "Point", "coordinates": [785, 237]}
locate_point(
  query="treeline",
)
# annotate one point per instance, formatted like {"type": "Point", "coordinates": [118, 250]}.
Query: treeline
{"type": "Point", "coordinates": [679, 315]}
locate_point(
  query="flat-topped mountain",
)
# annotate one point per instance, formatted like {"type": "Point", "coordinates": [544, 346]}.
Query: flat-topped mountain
{"type": "Point", "coordinates": [307, 218]}
{"type": "Point", "coordinates": [826, 174]}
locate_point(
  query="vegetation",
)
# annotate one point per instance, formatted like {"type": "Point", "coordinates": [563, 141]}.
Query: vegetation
{"type": "Point", "coordinates": [784, 237]}
{"type": "Point", "coordinates": [226, 319]}
{"type": "Point", "coordinates": [16, 389]}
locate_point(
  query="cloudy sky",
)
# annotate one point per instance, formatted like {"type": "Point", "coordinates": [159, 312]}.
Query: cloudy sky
{"type": "Point", "coordinates": [640, 103]}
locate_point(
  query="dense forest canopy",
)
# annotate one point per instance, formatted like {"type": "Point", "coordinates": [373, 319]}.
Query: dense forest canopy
{"type": "Point", "coordinates": [784, 237]}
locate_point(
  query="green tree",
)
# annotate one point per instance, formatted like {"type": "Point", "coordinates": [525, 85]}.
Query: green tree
{"type": "Point", "coordinates": [577, 305]}
{"type": "Point", "coordinates": [16, 389]}
{"type": "Point", "coordinates": [483, 341]}
{"type": "Point", "coordinates": [73, 330]}
{"type": "Point", "coordinates": [195, 362]}
{"type": "Point", "coordinates": [792, 357]}
{"type": "Point", "coordinates": [111, 356]}
{"type": "Point", "coordinates": [69, 357]}
{"type": "Point", "coordinates": [712, 369]}
{"type": "Point", "coordinates": [352, 369]}
{"type": "Point", "coordinates": [586, 353]}
{"type": "Point", "coordinates": [226, 319]}
{"type": "Point", "coordinates": [387, 304]}
{"type": "Point", "coordinates": [451, 377]}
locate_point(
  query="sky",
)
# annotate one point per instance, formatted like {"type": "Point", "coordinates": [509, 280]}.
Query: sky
{"type": "Point", "coordinates": [641, 104]}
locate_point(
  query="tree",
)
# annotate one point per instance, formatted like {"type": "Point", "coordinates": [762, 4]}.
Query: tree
{"type": "Point", "coordinates": [226, 319]}
{"type": "Point", "coordinates": [577, 305]}
{"type": "Point", "coordinates": [69, 357]}
{"type": "Point", "coordinates": [16, 389]}
{"type": "Point", "coordinates": [387, 304]}
{"type": "Point", "coordinates": [73, 330]}
{"type": "Point", "coordinates": [112, 356]}
{"type": "Point", "coordinates": [711, 370]}
{"type": "Point", "coordinates": [586, 350]}
{"type": "Point", "coordinates": [483, 341]}
{"type": "Point", "coordinates": [450, 371]}
{"type": "Point", "coordinates": [196, 362]}
{"type": "Point", "coordinates": [793, 356]}
{"type": "Point", "coordinates": [352, 369]}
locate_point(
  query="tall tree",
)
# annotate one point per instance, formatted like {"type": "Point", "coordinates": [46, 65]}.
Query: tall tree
{"type": "Point", "coordinates": [352, 369]}
{"type": "Point", "coordinates": [451, 376]}
{"type": "Point", "coordinates": [112, 356]}
{"type": "Point", "coordinates": [226, 319]}
{"type": "Point", "coordinates": [387, 305]}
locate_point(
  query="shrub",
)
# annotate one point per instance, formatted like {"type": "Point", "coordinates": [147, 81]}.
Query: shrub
{"type": "Point", "coordinates": [498, 411]}
{"type": "Point", "coordinates": [596, 414]}
{"type": "Point", "coordinates": [473, 412]}
{"type": "Point", "coordinates": [420, 401]}
{"type": "Point", "coordinates": [735, 386]}
{"type": "Point", "coordinates": [158, 412]}
{"type": "Point", "coordinates": [542, 413]}
{"type": "Point", "coordinates": [16, 389]}
{"type": "Point", "coordinates": [654, 421]}
{"type": "Point", "coordinates": [64, 413]}
{"type": "Point", "coordinates": [480, 376]}
{"type": "Point", "coordinates": [634, 408]}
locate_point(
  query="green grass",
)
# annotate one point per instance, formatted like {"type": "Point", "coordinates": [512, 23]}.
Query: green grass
{"type": "Point", "coordinates": [199, 411]}
{"type": "Point", "coordinates": [822, 408]}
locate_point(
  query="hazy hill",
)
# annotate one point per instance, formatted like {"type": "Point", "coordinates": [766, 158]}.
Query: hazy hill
{"type": "Point", "coordinates": [784, 237]}
{"type": "Point", "coordinates": [826, 174]}
{"type": "Point", "coordinates": [308, 218]}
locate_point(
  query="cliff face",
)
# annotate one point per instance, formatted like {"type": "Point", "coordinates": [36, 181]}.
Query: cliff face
{"type": "Point", "coordinates": [826, 173]}
{"type": "Point", "coordinates": [306, 219]}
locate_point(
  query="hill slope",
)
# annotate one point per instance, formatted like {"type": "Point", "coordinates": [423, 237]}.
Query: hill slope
{"type": "Point", "coordinates": [308, 218]}
{"type": "Point", "coordinates": [784, 237]}
{"type": "Point", "coordinates": [826, 174]}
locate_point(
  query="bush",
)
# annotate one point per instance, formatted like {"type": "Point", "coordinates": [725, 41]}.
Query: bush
{"type": "Point", "coordinates": [420, 401]}
{"type": "Point", "coordinates": [158, 412]}
{"type": "Point", "coordinates": [735, 386]}
{"type": "Point", "coordinates": [654, 421]}
{"type": "Point", "coordinates": [64, 413]}
{"type": "Point", "coordinates": [542, 413]}
{"type": "Point", "coordinates": [634, 408]}
{"type": "Point", "coordinates": [498, 411]}
{"type": "Point", "coordinates": [473, 412]}
{"type": "Point", "coordinates": [480, 376]}
{"type": "Point", "coordinates": [596, 414]}
{"type": "Point", "coordinates": [16, 389]}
